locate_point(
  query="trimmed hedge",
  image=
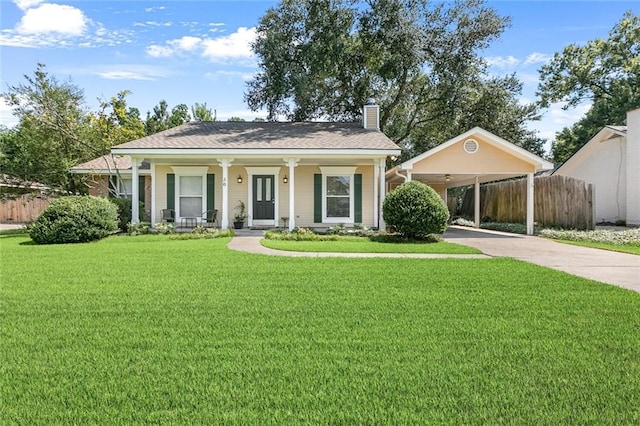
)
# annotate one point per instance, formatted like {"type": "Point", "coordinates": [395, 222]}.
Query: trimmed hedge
{"type": "Point", "coordinates": [75, 219]}
{"type": "Point", "coordinates": [415, 210]}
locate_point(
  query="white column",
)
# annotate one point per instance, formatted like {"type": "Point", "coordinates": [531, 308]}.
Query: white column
{"type": "Point", "coordinates": [135, 193]}
{"type": "Point", "coordinates": [292, 163]}
{"type": "Point", "coordinates": [530, 200]}
{"type": "Point", "coordinates": [225, 163]}
{"type": "Point", "coordinates": [382, 165]}
{"type": "Point", "coordinates": [376, 173]}
{"type": "Point", "coordinates": [153, 193]}
{"type": "Point", "coordinates": [476, 203]}
{"type": "Point", "coordinates": [408, 176]}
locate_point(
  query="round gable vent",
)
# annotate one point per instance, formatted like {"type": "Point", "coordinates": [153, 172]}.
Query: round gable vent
{"type": "Point", "coordinates": [470, 146]}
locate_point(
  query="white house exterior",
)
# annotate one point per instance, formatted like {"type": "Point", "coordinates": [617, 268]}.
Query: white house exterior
{"type": "Point", "coordinates": [611, 162]}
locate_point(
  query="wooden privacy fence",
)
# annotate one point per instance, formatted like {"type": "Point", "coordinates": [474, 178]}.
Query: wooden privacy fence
{"type": "Point", "coordinates": [559, 201]}
{"type": "Point", "coordinates": [25, 208]}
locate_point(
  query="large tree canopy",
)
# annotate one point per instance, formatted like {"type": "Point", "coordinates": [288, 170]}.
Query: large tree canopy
{"type": "Point", "coordinates": [419, 60]}
{"type": "Point", "coordinates": [603, 72]}
{"type": "Point", "coordinates": [51, 135]}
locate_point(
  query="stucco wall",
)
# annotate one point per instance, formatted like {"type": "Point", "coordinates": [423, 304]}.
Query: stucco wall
{"type": "Point", "coordinates": [602, 164]}
{"type": "Point", "coordinates": [633, 168]}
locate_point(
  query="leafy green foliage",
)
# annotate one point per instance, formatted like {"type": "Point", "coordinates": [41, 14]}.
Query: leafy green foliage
{"type": "Point", "coordinates": [124, 212]}
{"type": "Point", "coordinates": [193, 333]}
{"type": "Point", "coordinates": [75, 219]}
{"type": "Point", "coordinates": [200, 112]}
{"type": "Point", "coordinates": [163, 120]}
{"type": "Point", "coordinates": [415, 209]}
{"type": "Point", "coordinates": [605, 72]}
{"type": "Point", "coordinates": [628, 237]}
{"type": "Point", "coordinates": [51, 133]}
{"type": "Point", "coordinates": [419, 60]}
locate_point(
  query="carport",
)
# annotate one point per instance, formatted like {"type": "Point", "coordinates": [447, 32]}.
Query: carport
{"type": "Point", "coordinates": [472, 158]}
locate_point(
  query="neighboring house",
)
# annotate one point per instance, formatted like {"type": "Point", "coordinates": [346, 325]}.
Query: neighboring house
{"type": "Point", "coordinates": [611, 162]}
{"type": "Point", "coordinates": [472, 158]}
{"type": "Point", "coordinates": [305, 174]}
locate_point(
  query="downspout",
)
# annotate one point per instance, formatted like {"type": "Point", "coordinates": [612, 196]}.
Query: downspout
{"type": "Point", "coordinates": [398, 174]}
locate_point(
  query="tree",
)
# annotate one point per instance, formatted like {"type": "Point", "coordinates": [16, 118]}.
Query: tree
{"type": "Point", "coordinates": [603, 72]}
{"type": "Point", "coordinates": [115, 123]}
{"type": "Point", "coordinates": [322, 60]}
{"type": "Point", "coordinates": [51, 135]}
{"type": "Point", "coordinates": [163, 120]}
{"type": "Point", "coordinates": [236, 119]}
{"type": "Point", "coordinates": [200, 112]}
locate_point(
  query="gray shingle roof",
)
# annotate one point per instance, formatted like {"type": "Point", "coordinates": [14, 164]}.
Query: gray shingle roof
{"type": "Point", "coordinates": [109, 162]}
{"type": "Point", "coordinates": [266, 135]}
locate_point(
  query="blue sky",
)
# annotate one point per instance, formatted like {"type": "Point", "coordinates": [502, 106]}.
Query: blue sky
{"type": "Point", "coordinates": [198, 51]}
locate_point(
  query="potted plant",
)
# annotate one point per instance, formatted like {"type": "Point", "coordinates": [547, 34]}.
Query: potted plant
{"type": "Point", "coordinates": [240, 216]}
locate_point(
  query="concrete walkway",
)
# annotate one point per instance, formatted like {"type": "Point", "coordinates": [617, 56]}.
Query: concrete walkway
{"type": "Point", "coordinates": [619, 269]}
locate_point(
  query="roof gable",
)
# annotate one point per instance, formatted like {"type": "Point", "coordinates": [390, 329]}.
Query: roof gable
{"type": "Point", "coordinates": [487, 137]}
{"type": "Point", "coordinates": [607, 133]}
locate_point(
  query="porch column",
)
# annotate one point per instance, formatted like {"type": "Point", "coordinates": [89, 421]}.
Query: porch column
{"type": "Point", "coordinates": [376, 173]}
{"type": "Point", "coordinates": [225, 163]}
{"type": "Point", "coordinates": [382, 166]}
{"type": "Point", "coordinates": [135, 193]}
{"type": "Point", "coordinates": [292, 163]}
{"type": "Point", "coordinates": [408, 176]}
{"type": "Point", "coordinates": [153, 193]}
{"type": "Point", "coordinates": [530, 198]}
{"type": "Point", "coordinates": [476, 203]}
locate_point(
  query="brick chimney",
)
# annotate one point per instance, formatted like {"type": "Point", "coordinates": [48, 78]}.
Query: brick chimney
{"type": "Point", "coordinates": [371, 115]}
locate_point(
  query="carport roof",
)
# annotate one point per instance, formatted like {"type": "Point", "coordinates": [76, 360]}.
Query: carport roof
{"type": "Point", "coordinates": [481, 170]}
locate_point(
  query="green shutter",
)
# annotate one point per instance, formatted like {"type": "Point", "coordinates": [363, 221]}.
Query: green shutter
{"type": "Point", "coordinates": [171, 191]}
{"type": "Point", "coordinates": [317, 198]}
{"type": "Point", "coordinates": [211, 179]}
{"type": "Point", "coordinates": [141, 189]}
{"type": "Point", "coordinates": [357, 198]}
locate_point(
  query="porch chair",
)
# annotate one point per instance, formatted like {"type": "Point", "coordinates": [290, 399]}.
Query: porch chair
{"type": "Point", "coordinates": [210, 218]}
{"type": "Point", "coordinates": [168, 215]}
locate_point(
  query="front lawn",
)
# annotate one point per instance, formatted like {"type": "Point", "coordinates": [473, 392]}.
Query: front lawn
{"type": "Point", "coordinates": [365, 245]}
{"type": "Point", "coordinates": [134, 330]}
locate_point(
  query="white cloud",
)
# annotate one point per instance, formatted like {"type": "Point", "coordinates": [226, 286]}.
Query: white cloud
{"type": "Point", "coordinates": [186, 43]}
{"type": "Point", "coordinates": [27, 4]}
{"type": "Point", "coordinates": [537, 58]}
{"type": "Point", "coordinates": [53, 18]}
{"type": "Point", "coordinates": [229, 75]}
{"type": "Point", "coordinates": [156, 51]}
{"type": "Point", "coordinates": [128, 72]}
{"type": "Point", "coordinates": [234, 46]}
{"type": "Point", "coordinates": [502, 61]}
{"type": "Point", "coordinates": [563, 118]}
{"type": "Point", "coordinates": [153, 9]}
{"type": "Point", "coordinates": [6, 115]}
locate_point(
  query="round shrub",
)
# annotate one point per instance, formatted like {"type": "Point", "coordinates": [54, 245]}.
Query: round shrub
{"type": "Point", "coordinates": [415, 210]}
{"type": "Point", "coordinates": [124, 212]}
{"type": "Point", "coordinates": [75, 219]}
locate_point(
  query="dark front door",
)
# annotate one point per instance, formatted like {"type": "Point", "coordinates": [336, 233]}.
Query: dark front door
{"type": "Point", "coordinates": [263, 197]}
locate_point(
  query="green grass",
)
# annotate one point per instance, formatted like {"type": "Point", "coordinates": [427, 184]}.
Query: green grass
{"type": "Point", "coordinates": [623, 248]}
{"type": "Point", "coordinates": [365, 245]}
{"type": "Point", "coordinates": [136, 330]}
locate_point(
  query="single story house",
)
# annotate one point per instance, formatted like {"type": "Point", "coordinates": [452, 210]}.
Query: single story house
{"type": "Point", "coordinates": [472, 158]}
{"type": "Point", "coordinates": [611, 162]}
{"type": "Point", "coordinates": [306, 174]}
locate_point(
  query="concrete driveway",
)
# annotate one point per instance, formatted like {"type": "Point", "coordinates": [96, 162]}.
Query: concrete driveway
{"type": "Point", "coordinates": [620, 269]}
